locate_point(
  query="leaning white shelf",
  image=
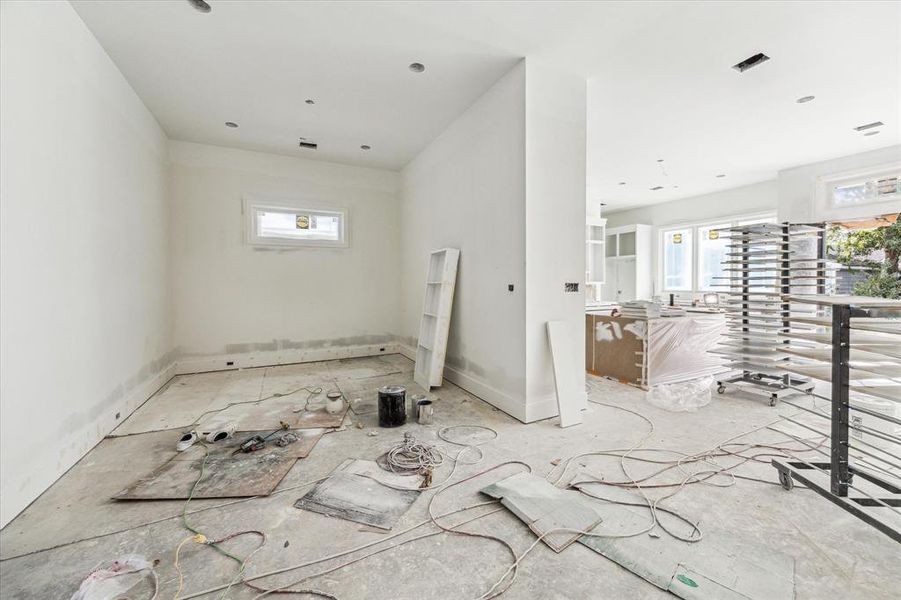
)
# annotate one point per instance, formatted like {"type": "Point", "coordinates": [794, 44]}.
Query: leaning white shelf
{"type": "Point", "coordinates": [435, 322]}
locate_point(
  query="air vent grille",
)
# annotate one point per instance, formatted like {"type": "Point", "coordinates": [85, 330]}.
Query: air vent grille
{"type": "Point", "coordinates": [751, 62]}
{"type": "Point", "coordinates": [869, 126]}
{"type": "Point", "coordinates": [310, 145]}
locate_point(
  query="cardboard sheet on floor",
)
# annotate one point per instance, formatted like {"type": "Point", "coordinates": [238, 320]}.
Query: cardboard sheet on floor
{"type": "Point", "coordinates": [545, 508]}
{"type": "Point", "coordinates": [268, 415]}
{"type": "Point", "coordinates": [306, 441]}
{"type": "Point", "coordinates": [355, 492]}
{"type": "Point", "coordinates": [710, 569]}
{"type": "Point", "coordinates": [226, 474]}
{"type": "Point", "coordinates": [223, 478]}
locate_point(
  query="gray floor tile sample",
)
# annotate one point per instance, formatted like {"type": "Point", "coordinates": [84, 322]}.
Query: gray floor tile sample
{"type": "Point", "coordinates": [353, 492]}
{"type": "Point", "coordinates": [545, 508]}
{"type": "Point", "coordinates": [709, 569]}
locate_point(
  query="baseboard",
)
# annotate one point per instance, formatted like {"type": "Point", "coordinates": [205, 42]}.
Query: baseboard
{"type": "Point", "coordinates": [546, 408]}
{"type": "Point", "coordinates": [477, 387]}
{"type": "Point", "coordinates": [226, 362]}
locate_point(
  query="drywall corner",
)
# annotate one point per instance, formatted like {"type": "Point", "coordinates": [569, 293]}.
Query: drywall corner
{"type": "Point", "coordinates": [555, 226]}
{"type": "Point", "coordinates": [466, 190]}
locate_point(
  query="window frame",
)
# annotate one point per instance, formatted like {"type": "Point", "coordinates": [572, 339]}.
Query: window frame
{"type": "Point", "coordinates": [252, 205]}
{"type": "Point", "coordinates": [694, 227]}
{"type": "Point", "coordinates": [826, 185]}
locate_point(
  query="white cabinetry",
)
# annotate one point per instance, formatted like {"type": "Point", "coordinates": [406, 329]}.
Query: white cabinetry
{"type": "Point", "coordinates": [628, 251]}
{"type": "Point", "coordinates": [595, 238]}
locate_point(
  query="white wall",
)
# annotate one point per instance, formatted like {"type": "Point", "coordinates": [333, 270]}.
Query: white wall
{"type": "Point", "coordinates": [798, 198]}
{"type": "Point", "coordinates": [249, 305]}
{"type": "Point", "coordinates": [505, 183]}
{"type": "Point", "coordinates": [466, 190]}
{"type": "Point", "coordinates": [555, 227]}
{"type": "Point", "coordinates": [748, 199]}
{"type": "Point", "coordinates": [84, 292]}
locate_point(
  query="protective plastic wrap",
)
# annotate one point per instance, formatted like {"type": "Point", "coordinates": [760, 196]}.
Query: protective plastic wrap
{"type": "Point", "coordinates": [687, 396]}
{"type": "Point", "coordinates": [678, 348]}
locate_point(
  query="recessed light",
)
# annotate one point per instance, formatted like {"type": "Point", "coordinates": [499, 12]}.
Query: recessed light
{"type": "Point", "coordinates": [310, 101]}
{"type": "Point", "coordinates": [656, 187]}
{"type": "Point", "coordinates": [622, 183]}
{"type": "Point", "coordinates": [804, 99]}
{"type": "Point", "coordinates": [659, 160]}
{"type": "Point", "coordinates": [872, 125]}
{"type": "Point", "coordinates": [200, 5]}
{"type": "Point", "coordinates": [869, 133]}
{"type": "Point", "coordinates": [417, 67]}
{"type": "Point", "coordinates": [721, 175]}
{"type": "Point", "coordinates": [365, 147]}
{"type": "Point", "coordinates": [231, 124]}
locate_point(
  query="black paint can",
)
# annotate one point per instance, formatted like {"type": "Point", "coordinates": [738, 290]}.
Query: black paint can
{"type": "Point", "coordinates": [392, 406]}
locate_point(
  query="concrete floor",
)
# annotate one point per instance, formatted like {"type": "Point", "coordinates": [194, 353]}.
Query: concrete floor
{"type": "Point", "coordinates": [74, 527]}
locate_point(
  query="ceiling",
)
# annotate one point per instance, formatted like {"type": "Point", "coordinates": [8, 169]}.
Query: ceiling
{"type": "Point", "coordinates": [255, 63]}
{"type": "Point", "coordinates": [660, 82]}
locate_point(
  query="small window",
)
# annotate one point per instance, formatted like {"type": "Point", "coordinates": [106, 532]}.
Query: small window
{"type": "Point", "coordinates": [867, 189]}
{"type": "Point", "coordinates": [677, 252]}
{"type": "Point", "coordinates": [270, 224]}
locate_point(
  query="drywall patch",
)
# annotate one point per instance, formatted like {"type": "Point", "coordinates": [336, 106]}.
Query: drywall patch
{"type": "Point", "coordinates": [278, 345]}
{"type": "Point", "coordinates": [94, 414]}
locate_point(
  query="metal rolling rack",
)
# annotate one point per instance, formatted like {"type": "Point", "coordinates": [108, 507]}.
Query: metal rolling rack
{"type": "Point", "coordinates": [863, 357]}
{"type": "Point", "coordinates": [766, 262]}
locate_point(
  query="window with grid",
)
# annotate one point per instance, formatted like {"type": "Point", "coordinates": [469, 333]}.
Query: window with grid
{"type": "Point", "coordinates": [692, 255]}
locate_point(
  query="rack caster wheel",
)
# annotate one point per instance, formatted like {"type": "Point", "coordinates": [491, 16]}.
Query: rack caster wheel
{"type": "Point", "coordinates": [786, 480]}
{"type": "Point", "coordinates": [721, 389]}
{"type": "Point", "coordinates": [773, 400]}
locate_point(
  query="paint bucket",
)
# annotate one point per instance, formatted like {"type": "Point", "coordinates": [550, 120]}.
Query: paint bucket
{"type": "Point", "coordinates": [392, 406]}
{"type": "Point", "coordinates": [882, 426]}
{"type": "Point", "coordinates": [334, 403]}
{"type": "Point", "coordinates": [425, 409]}
{"type": "Point", "coordinates": [414, 406]}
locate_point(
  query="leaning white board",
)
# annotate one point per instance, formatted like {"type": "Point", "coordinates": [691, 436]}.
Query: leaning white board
{"type": "Point", "coordinates": [559, 337]}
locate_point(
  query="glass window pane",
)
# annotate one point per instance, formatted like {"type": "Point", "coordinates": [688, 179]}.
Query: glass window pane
{"type": "Point", "coordinates": [711, 254]}
{"type": "Point", "coordinates": [677, 261]}
{"type": "Point", "coordinates": [298, 225]}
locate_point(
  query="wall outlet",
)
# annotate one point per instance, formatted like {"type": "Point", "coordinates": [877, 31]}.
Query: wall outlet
{"type": "Point", "coordinates": [230, 363]}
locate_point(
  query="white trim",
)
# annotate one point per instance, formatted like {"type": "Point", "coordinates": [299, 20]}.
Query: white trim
{"type": "Point", "coordinates": [252, 203]}
{"type": "Point", "coordinates": [481, 389]}
{"type": "Point", "coordinates": [273, 358]}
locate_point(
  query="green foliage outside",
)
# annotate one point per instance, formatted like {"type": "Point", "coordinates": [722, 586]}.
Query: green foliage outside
{"type": "Point", "coordinates": [853, 249]}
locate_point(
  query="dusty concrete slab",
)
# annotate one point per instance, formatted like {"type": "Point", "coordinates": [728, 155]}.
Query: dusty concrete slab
{"type": "Point", "coordinates": [835, 554]}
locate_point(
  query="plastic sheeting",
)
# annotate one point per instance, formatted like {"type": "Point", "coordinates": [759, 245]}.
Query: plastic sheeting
{"type": "Point", "coordinates": [117, 578]}
{"type": "Point", "coordinates": [687, 396]}
{"type": "Point", "coordinates": [678, 348]}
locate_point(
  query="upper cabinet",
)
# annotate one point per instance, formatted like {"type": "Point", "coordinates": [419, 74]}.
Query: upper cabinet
{"type": "Point", "coordinates": [628, 265]}
{"type": "Point", "coordinates": [595, 242]}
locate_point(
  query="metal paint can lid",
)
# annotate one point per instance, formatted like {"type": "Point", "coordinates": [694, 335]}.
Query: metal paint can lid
{"type": "Point", "coordinates": [392, 389]}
